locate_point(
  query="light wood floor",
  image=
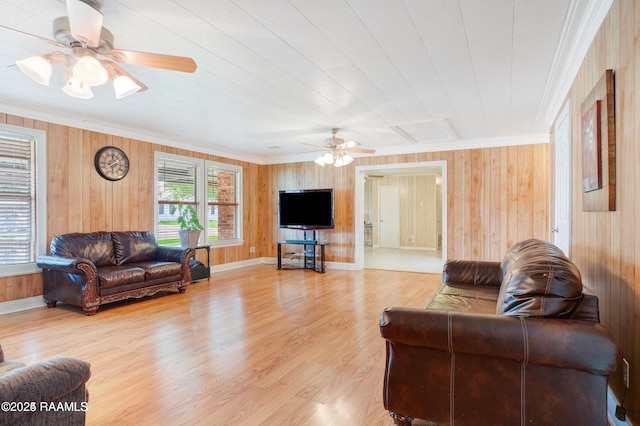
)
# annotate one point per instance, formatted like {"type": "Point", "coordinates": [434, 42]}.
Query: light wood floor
{"type": "Point", "coordinates": [253, 346]}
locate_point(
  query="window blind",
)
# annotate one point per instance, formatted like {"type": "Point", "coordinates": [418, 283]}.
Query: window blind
{"type": "Point", "coordinates": [177, 184]}
{"type": "Point", "coordinates": [17, 200]}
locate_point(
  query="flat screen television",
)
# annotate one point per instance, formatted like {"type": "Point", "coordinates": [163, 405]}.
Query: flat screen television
{"type": "Point", "coordinates": [305, 209]}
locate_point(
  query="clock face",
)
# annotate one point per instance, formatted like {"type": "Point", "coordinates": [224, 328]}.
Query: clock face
{"type": "Point", "coordinates": [111, 163]}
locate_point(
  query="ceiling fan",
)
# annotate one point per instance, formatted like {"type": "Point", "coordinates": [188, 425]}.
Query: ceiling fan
{"type": "Point", "coordinates": [93, 59]}
{"type": "Point", "coordinates": [338, 151]}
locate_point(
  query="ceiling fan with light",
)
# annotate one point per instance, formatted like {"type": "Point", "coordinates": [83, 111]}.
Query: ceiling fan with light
{"type": "Point", "coordinates": [338, 151]}
{"type": "Point", "coordinates": [93, 59]}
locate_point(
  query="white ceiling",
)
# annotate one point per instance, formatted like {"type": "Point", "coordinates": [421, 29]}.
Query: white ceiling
{"type": "Point", "coordinates": [276, 75]}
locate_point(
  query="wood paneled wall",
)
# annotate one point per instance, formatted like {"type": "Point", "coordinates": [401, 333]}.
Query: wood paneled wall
{"type": "Point", "coordinates": [496, 197]}
{"type": "Point", "coordinates": [79, 200]}
{"type": "Point", "coordinates": [604, 245]}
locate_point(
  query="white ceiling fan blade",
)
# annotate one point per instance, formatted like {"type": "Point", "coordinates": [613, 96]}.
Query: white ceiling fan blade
{"type": "Point", "coordinates": [85, 22]}
{"type": "Point", "coordinates": [154, 60]}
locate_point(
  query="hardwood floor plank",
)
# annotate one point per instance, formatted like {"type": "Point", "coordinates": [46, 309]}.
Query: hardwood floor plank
{"type": "Point", "coordinates": [253, 346]}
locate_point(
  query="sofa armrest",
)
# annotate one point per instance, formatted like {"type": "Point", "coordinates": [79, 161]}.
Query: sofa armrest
{"type": "Point", "coordinates": [560, 343]}
{"type": "Point", "coordinates": [181, 255]}
{"type": "Point", "coordinates": [171, 254]}
{"type": "Point", "coordinates": [44, 381]}
{"type": "Point", "coordinates": [69, 265]}
{"type": "Point", "coordinates": [472, 272]}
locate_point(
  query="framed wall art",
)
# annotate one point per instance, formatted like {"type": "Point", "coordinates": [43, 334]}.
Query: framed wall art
{"type": "Point", "coordinates": [598, 146]}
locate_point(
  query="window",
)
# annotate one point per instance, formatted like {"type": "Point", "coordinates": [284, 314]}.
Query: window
{"type": "Point", "coordinates": [22, 212]}
{"type": "Point", "coordinates": [223, 201]}
{"type": "Point", "coordinates": [214, 195]}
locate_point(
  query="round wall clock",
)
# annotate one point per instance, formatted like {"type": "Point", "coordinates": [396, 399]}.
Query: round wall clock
{"type": "Point", "coordinates": [111, 163]}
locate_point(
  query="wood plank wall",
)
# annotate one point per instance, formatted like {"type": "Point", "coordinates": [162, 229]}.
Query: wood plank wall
{"type": "Point", "coordinates": [496, 196]}
{"type": "Point", "coordinates": [79, 200]}
{"type": "Point", "coordinates": [604, 244]}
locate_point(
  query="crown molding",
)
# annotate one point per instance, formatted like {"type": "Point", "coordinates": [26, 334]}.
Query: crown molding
{"type": "Point", "coordinates": [571, 53]}
{"type": "Point", "coordinates": [452, 145]}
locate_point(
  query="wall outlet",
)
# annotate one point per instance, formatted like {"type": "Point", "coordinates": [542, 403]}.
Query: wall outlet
{"type": "Point", "coordinates": [252, 249]}
{"type": "Point", "coordinates": [625, 372]}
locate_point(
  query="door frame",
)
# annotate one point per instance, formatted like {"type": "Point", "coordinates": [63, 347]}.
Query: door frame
{"type": "Point", "coordinates": [359, 203]}
{"type": "Point", "coordinates": [562, 125]}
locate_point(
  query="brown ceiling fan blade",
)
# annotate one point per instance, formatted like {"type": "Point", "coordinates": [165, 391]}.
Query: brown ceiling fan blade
{"type": "Point", "coordinates": [361, 150]}
{"type": "Point", "coordinates": [44, 39]}
{"type": "Point", "coordinates": [154, 60]}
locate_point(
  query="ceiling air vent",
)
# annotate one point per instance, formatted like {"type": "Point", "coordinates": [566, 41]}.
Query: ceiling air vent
{"type": "Point", "coordinates": [425, 131]}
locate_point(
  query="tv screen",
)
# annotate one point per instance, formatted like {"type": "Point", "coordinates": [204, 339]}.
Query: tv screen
{"type": "Point", "coordinates": [305, 209]}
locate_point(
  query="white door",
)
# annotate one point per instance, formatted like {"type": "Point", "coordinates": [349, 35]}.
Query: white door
{"type": "Point", "coordinates": [561, 228]}
{"type": "Point", "coordinates": [389, 216]}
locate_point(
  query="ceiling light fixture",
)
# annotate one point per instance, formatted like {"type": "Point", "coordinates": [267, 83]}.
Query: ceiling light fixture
{"type": "Point", "coordinates": [338, 151]}
{"type": "Point", "coordinates": [77, 89]}
{"type": "Point", "coordinates": [337, 158]}
{"type": "Point", "coordinates": [89, 64]}
{"type": "Point", "coordinates": [88, 69]}
{"type": "Point", "coordinates": [39, 68]}
{"type": "Point", "coordinates": [83, 71]}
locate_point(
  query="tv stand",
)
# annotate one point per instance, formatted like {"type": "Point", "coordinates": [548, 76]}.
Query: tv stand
{"type": "Point", "coordinates": [309, 258]}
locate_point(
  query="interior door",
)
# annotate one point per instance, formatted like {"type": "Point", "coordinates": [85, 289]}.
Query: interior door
{"type": "Point", "coordinates": [561, 229]}
{"type": "Point", "coordinates": [389, 216]}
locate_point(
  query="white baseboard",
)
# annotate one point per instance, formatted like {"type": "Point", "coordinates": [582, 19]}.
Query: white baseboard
{"type": "Point", "coordinates": [236, 265]}
{"type": "Point", "coordinates": [612, 402]}
{"type": "Point", "coordinates": [22, 304]}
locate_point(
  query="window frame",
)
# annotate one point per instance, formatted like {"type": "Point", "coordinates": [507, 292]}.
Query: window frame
{"type": "Point", "coordinates": [202, 196]}
{"type": "Point", "coordinates": [39, 137]}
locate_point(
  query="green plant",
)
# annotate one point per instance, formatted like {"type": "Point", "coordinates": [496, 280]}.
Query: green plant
{"type": "Point", "coordinates": [187, 217]}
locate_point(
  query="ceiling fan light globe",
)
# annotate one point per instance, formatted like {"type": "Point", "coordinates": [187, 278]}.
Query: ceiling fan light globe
{"type": "Point", "coordinates": [77, 89]}
{"type": "Point", "coordinates": [90, 71]}
{"type": "Point", "coordinates": [328, 158]}
{"type": "Point", "coordinates": [319, 161]}
{"type": "Point", "coordinates": [124, 86]}
{"type": "Point", "coordinates": [347, 159]}
{"type": "Point", "coordinates": [36, 67]}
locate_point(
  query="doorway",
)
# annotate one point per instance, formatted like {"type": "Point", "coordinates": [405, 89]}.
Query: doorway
{"type": "Point", "coordinates": [419, 249]}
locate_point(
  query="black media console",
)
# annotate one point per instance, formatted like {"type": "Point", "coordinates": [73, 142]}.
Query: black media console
{"type": "Point", "coordinates": [311, 257]}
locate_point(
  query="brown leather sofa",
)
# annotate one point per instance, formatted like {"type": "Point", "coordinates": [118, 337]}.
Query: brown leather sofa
{"type": "Point", "coordinates": [92, 269]}
{"type": "Point", "coordinates": [511, 343]}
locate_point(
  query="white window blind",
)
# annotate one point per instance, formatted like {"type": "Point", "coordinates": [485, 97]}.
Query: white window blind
{"type": "Point", "coordinates": [17, 200]}
{"type": "Point", "coordinates": [178, 184]}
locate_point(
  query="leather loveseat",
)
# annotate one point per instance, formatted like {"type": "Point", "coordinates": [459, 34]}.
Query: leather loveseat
{"type": "Point", "coordinates": [49, 392]}
{"type": "Point", "coordinates": [511, 343]}
{"type": "Point", "coordinates": [95, 268]}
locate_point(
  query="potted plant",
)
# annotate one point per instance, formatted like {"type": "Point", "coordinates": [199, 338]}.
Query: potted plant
{"type": "Point", "coordinates": [190, 226]}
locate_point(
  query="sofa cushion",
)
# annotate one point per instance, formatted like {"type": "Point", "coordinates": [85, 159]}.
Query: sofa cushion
{"type": "Point", "coordinates": [134, 246]}
{"type": "Point", "coordinates": [539, 281]}
{"type": "Point", "coordinates": [115, 276]}
{"type": "Point", "coordinates": [158, 269]}
{"type": "Point", "coordinates": [94, 246]}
